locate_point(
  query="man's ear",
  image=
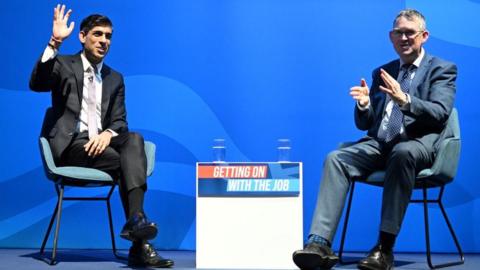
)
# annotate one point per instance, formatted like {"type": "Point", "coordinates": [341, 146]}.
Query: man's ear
{"type": "Point", "coordinates": [425, 36]}
{"type": "Point", "coordinates": [82, 36]}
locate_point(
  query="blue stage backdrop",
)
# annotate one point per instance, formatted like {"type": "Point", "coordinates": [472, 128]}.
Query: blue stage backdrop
{"type": "Point", "coordinates": [246, 71]}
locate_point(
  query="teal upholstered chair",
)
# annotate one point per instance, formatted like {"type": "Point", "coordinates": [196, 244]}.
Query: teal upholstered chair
{"type": "Point", "coordinates": [439, 175]}
{"type": "Point", "coordinates": [80, 177]}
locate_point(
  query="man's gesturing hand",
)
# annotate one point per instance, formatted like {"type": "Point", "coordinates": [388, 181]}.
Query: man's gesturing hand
{"type": "Point", "coordinates": [360, 93]}
{"type": "Point", "coordinates": [60, 19]}
{"type": "Point", "coordinates": [392, 88]}
{"type": "Point", "coordinates": [98, 144]}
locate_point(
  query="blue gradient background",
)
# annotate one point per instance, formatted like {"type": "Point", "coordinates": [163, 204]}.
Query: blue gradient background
{"type": "Point", "coordinates": [247, 71]}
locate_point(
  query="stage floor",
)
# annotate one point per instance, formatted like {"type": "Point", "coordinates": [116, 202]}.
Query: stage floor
{"type": "Point", "coordinates": [25, 259]}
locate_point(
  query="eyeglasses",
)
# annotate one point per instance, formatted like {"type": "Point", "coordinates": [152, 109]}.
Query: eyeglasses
{"type": "Point", "coordinates": [408, 33]}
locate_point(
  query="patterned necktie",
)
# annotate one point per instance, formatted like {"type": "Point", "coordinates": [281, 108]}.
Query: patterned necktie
{"type": "Point", "coordinates": [395, 121]}
{"type": "Point", "coordinates": [91, 104]}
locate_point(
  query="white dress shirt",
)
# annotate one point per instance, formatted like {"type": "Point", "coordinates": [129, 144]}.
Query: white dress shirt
{"type": "Point", "coordinates": [83, 121]}
{"type": "Point", "coordinates": [82, 124]}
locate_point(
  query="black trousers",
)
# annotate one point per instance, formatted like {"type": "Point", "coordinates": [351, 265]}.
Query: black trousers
{"type": "Point", "coordinates": [124, 159]}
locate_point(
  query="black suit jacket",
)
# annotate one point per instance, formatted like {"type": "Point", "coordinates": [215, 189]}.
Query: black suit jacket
{"type": "Point", "coordinates": [63, 76]}
{"type": "Point", "coordinates": [432, 95]}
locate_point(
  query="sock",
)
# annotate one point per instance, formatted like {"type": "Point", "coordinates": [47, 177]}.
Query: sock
{"type": "Point", "coordinates": [387, 240]}
{"type": "Point", "coordinates": [313, 238]}
{"type": "Point", "coordinates": [138, 242]}
{"type": "Point", "coordinates": [135, 201]}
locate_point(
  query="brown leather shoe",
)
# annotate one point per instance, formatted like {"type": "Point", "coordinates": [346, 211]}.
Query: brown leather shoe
{"type": "Point", "coordinates": [379, 258]}
{"type": "Point", "coordinates": [143, 254]}
{"type": "Point", "coordinates": [314, 255]}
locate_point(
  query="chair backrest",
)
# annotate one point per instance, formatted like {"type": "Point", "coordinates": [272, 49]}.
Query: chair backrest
{"type": "Point", "coordinates": [452, 127]}
{"type": "Point", "coordinates": [444, 167]}
{"type": "Point", "coordinates": [454, 124]}
{"type": "Point", "coordinates": [446, 161]}
{"type": "Point", "coordinates": [47, 158]}
{"type": "Point", "coordinates": [150, 153]}
{"type": "Point", "coordinates": [45, 151]}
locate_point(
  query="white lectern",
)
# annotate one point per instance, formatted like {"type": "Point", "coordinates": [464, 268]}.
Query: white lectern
{"type": "Point", "coordinates": [249, 215]}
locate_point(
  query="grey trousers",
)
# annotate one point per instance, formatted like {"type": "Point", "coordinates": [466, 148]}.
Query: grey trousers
{"type": "Point", "coordinates": [401, 163]}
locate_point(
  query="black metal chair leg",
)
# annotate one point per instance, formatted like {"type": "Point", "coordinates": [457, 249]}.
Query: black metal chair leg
{"type": "Point", "coordinates": [457, 244]}
{"type": "Point", "coordinates": [57, 213]}
{"type": "Point", "coordinates": [49, 229]}
{"type": "Point", "coordinates": [110, 222]}
{"type": "Point", "coordinates": [427, 230]}
{"type": "Point", "coordinates": [452, 233]}
{"type": "Point", "coordinates": [57, 226]}
{"type": "Point", "coordinates": [345, 225]}
{"type": "Point", "coordinates": [427, 233]}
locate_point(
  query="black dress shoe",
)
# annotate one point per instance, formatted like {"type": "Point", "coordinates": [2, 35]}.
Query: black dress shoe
{"type": "Point", "coordinates": [138, 227]}
{"type": "Point", "coordinates": [379, 258]}
{"type": "Point", "coordinates": [142, 254]}
{"type": "Point", "coordinates": [314, 255]}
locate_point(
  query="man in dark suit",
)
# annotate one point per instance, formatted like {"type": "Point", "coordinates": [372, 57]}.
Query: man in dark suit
{"type": "Point", "coordinates": [405, 112]}
{"type": "Point", "coordinates": [86, 125]}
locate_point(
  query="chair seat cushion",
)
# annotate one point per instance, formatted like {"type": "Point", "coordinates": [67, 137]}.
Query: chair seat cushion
{"type": "Point", "coordinates": [377, 178]}
{"type": "Point", "coordinates": [83, 176]}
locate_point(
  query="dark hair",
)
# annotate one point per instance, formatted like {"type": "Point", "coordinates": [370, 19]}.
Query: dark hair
{"type": "Point", "coordinates": [94, 20]}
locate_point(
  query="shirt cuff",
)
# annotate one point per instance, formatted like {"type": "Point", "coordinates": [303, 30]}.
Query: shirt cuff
{"type": "Point", "coordinates": [406, 106]}
{"type": "Point", "coordinates": [114, 134]}
{"type": "Point", "coordinates": [49, 54]}
{"type": "Point", "coordinates": [364, 108]}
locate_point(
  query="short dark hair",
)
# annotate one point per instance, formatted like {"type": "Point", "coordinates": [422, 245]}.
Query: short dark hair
{"type": "Point", "coordinates": [412, 15]}
{"type": "Point", "coordinates": [94, 20]}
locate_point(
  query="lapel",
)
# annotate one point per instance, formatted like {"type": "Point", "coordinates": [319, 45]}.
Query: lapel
{"type": "Point", "coordinates": [77, 67]}
{"type": "Point", "coordinates": [106, 89]}
{"type": "Point", "coordinates": [420, 74]}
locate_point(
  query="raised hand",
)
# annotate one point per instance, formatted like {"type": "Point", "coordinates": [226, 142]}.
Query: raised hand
{"type": "Point", "coordinates": [360, 93]}
{"type": "Point", "coordinates": [60, 30]}
{"type": "Point", "coordinates": [392, 88]}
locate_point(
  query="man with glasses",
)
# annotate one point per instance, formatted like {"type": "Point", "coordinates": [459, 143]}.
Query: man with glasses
{"type": "Point", "coordinates": [404, 112]}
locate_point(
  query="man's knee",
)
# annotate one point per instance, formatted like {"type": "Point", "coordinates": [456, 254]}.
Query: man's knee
{"type": "Point", "coordinates": [109, 161]}
{"type": "Point", "coordinates": [402, 153]}
{"type": "Point", "coordinates": [135, 138]}
{"type": "Point", "coordinates": [111, 154]}
{"type": "Point", "coordinates": [332, 157]}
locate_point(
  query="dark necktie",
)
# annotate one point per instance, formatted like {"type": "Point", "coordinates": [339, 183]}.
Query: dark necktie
{"type": "Point", "coordinates": [395, 121]}
{"type": "Point", "coordinates": [91, 104]}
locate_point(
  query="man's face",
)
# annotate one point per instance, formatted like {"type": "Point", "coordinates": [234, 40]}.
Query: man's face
{"type": "Point", "coordinates": [407, 38]}
{"type": "Point", "coordinates": [96, 43]}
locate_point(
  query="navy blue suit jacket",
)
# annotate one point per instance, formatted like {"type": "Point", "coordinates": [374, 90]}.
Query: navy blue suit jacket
{"type": "Point", "coordinates": [63, 76]}
{"type": "Point", "coordinates": [432, 95]}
